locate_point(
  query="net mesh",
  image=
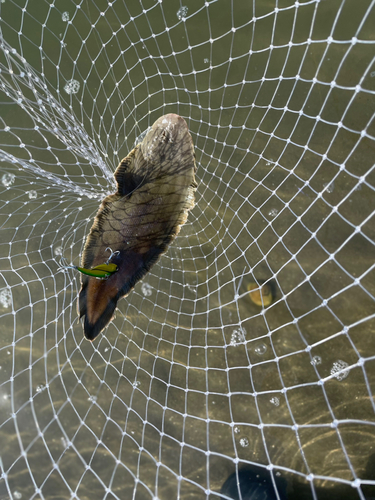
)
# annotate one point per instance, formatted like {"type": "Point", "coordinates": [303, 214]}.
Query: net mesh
{"type": "Point", "coordinates": [192, 381]}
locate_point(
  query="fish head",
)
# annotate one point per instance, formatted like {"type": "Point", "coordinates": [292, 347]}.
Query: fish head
{"type": "Point", "coordinates": [168, 138]}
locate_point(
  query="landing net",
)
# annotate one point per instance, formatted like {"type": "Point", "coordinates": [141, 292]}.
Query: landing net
{"type": "Point", "coordinates": [192, 381]}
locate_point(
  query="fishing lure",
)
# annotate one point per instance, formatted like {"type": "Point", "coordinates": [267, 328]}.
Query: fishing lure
{"type": "Point", "coordinates": [155, 191]}
{"type": "Point", "coordinates": [102, 271]}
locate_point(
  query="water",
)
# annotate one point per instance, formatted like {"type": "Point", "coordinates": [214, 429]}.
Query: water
{"type": "Point", "coordinates": [162, 374]}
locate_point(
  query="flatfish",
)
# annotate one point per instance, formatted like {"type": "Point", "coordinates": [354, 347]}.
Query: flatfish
{"type": "Point", "coordinates": [155, 190]}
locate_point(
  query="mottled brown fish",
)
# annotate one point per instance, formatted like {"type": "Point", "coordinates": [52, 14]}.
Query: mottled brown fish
{"type": "Point", "coordinates": [155, 191]}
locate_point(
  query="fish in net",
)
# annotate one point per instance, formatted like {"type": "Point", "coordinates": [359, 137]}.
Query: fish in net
{"type": "Point", "coordinates": [242, 363]}
{"type": "Point", "coordinates": [156, 185]}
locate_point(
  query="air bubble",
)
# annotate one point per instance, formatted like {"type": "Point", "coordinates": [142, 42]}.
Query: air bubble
{"type": "Point", "coordinates": [8, 179]}
{"type": "Point", "coordinates": [317, 360]}
{"type": "Point", "coordinates": [206, 61]}
{"type": "Point", "coordinates": [260, 349]}
{"type": "Point", "coordinates": [136, 383]}
{"type": "Point", "coordinates": [72, 86]}
{"type": "Point", "coordinates": [236, 430]}
{"type": "Point", "coordinates": [192, 288]}
{"type": "Point", "coordinates": [65, 16]}
{"type": "Point", "coordinates": [182, 12]}
{"type": "Point", "coordinates": [330, 186]}
{"type": "Point", "coordinates": [17, 495]}
{"type": "Point", "coordinates": [275, 401]}
{"type": "Point", "coordinates": [244, 442]}
{"type": "Point", "coordinates": [92, 399]}
{"type": "Point", "coordinates": [32, 194]}
{"type": "Point", "coordinates": [273, 212]}
{"type": "Point", "coordinates": [58, 250]}
{"type": "Point", "coordinates": [40, 388]}
{"type": "Point", "coordinates": [5, 297]}
{"type": "Point", "coordinates": [337, 367]}
{"type": "Point", "coordinates": [238, 336]}
{"type": "Point", "coordinates": [146, 289]}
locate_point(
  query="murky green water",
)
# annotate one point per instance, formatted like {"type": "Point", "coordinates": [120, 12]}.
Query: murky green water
{"type": "Point", "coordinates": [167, 402]}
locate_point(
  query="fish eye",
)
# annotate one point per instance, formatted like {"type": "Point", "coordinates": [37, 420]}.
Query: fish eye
{"type": "Point", "coordinates": [165, 137]}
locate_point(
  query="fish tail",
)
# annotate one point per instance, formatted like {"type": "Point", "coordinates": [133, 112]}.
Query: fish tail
{"type": "Point", "coordinates": [98, 315]}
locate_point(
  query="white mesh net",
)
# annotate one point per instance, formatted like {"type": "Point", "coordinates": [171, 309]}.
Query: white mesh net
{"type": "Point", "coordinates": [192, 381]}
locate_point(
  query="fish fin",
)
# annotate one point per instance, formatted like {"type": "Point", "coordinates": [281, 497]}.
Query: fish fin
{"type": "Point", "coordinates": [92, 330]}
{"type": "Point", "coordinates": [127, 178]}
{"type": "Point", "coordinates": [92, 326]}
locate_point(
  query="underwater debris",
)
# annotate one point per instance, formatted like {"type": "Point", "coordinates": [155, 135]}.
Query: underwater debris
{"type": "Point", "coordinates": [261, 294]}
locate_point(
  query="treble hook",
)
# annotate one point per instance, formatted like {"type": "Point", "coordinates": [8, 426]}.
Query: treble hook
{"type": "Point", "coordinates": [117, 252]}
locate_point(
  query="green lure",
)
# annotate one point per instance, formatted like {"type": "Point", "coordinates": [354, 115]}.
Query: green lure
{"type": "Point", "coordinates": [101, 272]}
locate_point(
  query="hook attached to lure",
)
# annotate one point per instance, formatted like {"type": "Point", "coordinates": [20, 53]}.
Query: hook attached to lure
{"type": "Point", "coordinates": [101, 272]}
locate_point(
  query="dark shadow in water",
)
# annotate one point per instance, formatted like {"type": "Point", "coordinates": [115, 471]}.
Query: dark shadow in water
{"type": "Point", "coordinates": [255, 483]}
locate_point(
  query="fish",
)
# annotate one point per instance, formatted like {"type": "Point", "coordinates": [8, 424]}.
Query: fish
{"type": "Point", "coordinates": [155, 191]}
